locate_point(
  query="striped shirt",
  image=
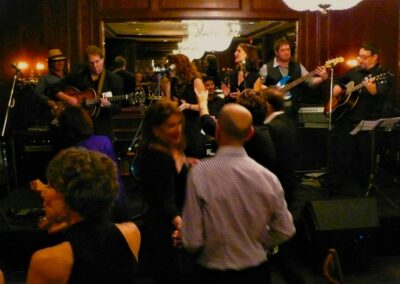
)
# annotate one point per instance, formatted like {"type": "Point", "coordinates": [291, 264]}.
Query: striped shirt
{"type": "Point", "coordinates": [234, 210]}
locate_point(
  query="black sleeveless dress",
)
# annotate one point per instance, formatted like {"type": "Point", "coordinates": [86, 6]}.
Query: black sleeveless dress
{"type": "Point", "coordinates": [195, 146]}
{"type": "Point", "coordinates": [101, 254]}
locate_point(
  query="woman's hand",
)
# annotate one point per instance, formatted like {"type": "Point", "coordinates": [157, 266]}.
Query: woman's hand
{"type": "Point", "coordinates": [37, 185]}
{"type": "Point", "coordinates": [225, 89]}
{"type": "Point", "coordinates": [51, 225]}
{"type": "Point", "coordinates": [54, 226]}
{"type": "Point", "coordinates": [184, 105]}
{"type": "Point", "coordinates": [190, 161]}
{"type": "Point", "coordinates": [177, 233]}
{"type": "Point", "coordinates": [234, 95]}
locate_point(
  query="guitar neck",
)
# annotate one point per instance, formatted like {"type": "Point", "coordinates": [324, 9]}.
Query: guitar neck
{"type": "Point", "coordinates": [118, 98]}
{"type": "Point", "coordinates": [356, 87]}
{"type": "Point", "coordinates": [297, 82]}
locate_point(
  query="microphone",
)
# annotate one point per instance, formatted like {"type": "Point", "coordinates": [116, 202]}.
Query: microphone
{"type": "Point", "coordinates": [244, 72]}
{"type": "Point", "coordinates": [17, 70]}
{"type": "Point", "coordinates": [165, 70]}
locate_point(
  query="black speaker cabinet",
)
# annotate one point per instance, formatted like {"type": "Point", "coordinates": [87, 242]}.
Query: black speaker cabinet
{"type": "Point", "coordinates": [31, 151]}
{"type": "Point", "coordinates": [348, 225]}
{"type": "Point", "coordinates": [344, 214]}
{"type": "Point", "coordinates": [312, 149]}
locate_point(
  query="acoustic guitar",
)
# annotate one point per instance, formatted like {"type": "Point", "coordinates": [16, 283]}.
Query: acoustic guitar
{"type": "Point", "coordinates": [347, 100]}
{"type": "Point", "coordinates": [90, 101]}
{"type": "Point", "coordinates": [285, 87]}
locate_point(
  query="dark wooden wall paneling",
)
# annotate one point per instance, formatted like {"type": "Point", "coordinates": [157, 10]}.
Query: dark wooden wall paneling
{"type": "Point", "coordinates": [31, 27]}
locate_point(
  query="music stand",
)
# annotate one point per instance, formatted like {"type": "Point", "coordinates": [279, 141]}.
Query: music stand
{"type": "Point", "coordinates": [372, 125]}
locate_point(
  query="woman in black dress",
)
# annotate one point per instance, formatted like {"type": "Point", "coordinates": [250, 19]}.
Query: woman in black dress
{"type": "Point", "coordinates": [162, 169]}
{"type": "Point", "coordinates": [246, 74]}
{"type": "Point", "coordinates": [82, 186]}
{"type": "Point", "coordinates": [184, 79]}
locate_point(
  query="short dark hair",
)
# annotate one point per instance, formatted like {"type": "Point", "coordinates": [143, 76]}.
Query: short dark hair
{"type": "Point", "coordinates": [370, 46]}
{"type": "Point", "coordinates": [279, 42]}
{"type": "Point", "coordinates": [274, 97]}
{"type": "Point", "coordinates": [254, 102]}
{"type": "Point", "coordinates": [119, 62]}
{"type": "Point", "coordinates": [75, 125]}
{"type": "Point", "coordinates": [86, 179]}
{"type": "Point", "coordinates": [208, 78]}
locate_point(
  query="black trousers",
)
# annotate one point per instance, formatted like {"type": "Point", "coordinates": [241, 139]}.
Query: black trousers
{"type": "Point", "coordinates": [255, 275]}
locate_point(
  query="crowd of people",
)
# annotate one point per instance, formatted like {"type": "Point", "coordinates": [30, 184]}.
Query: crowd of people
{"type": "Point", "coordinates": [208, 218]}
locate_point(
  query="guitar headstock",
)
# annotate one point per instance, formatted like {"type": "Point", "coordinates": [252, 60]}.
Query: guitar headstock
{"type": "Point", "coordinates": [332, 62]}
{"type": "Point", "coordinates": [380, 78]}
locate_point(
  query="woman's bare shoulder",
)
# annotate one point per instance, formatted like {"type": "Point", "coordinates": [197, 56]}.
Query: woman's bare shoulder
{"type": "Point", "coordinates": [132, 235]}
{"type": "Point", "coordinates": [51, 265]}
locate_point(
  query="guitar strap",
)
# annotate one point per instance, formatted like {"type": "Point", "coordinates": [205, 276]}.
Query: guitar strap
{"type": "Point", "coordinates": [101, 82]}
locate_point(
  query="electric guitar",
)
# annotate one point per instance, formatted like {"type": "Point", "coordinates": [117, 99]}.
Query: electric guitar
{"type": "Point", "coordinates": [348, 99]}
{"type": "Point", "coordinates": [286, 87]}
{"type": "Point", "coordinates": [90, 101]}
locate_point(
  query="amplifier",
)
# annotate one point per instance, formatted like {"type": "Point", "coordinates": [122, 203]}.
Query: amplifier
{"type": "Point", "coordinates": [32, 150]}
{"type": "Point", "coordinates": [313, 117]}
{"type": "Point", "coordinates": [36, 140]}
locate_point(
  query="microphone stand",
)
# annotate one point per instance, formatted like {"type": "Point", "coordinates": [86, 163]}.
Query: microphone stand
{"type": "Point", "coordinates": [11, 104]}
{"type": "Point", "coordinates": [244, 75]}
{"type": "Point", "coordinates": [3, 144]}
{"type": "Point", "coordinates": [329, 158]}
{"type": "Point", "coordinates": [156, 94]}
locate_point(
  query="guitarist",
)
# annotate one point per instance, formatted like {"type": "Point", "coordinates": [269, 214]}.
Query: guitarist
{"type": "Point", "coordinates": [57, 70]}
{"type": "Point", "coordinates": [283, 65]}
{"type": "Point", "coordinates": [105, 83]}
{"type": "Point", "coordinates": [353, 151]}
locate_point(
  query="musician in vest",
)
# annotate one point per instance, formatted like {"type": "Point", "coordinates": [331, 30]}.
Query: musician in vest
{"type": "Point", "coordinates": [276, 72]}
{"type": "Point", "coordinates": [97, 90]}
{"type": "Point", "coordinates": [358, 95]}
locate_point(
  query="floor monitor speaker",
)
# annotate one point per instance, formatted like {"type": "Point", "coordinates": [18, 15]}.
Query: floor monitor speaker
{"type": "Point", "coordinates": [348, 225]}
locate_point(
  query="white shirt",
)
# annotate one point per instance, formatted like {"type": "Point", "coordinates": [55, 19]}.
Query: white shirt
{"type": "Point", "coordinates": [234, 210]}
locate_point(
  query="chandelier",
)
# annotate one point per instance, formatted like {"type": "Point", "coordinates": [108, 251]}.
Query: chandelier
{"type": "Point", "coordinates": [321, 5]}
{"type": "Point", "coordinates": [208, 35]}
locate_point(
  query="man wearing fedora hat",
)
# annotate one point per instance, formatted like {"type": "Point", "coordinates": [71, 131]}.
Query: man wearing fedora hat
{"type": "Point", "coordinates": [57, 70]}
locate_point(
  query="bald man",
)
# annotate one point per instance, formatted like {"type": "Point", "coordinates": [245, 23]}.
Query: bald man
{"type": "Point", "coordinates": [234, 209]}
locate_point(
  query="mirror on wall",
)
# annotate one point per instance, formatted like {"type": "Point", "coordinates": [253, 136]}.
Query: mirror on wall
{"type": "Point", "coordinates": [145, 43]}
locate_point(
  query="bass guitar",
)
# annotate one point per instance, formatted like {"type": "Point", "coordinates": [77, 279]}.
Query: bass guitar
{"type": "Point", "coordinates": [90, 101]}
{"type": "Point", "coordinates": [282, 84]}
{"type": "Point", "coordinates": [348, 99]}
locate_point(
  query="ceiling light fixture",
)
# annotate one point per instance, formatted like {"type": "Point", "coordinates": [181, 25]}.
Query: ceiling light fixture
{"type": "Point", "coordinates": [321, 5]}
{"type": "Point", "coordinates": [208, 35]}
